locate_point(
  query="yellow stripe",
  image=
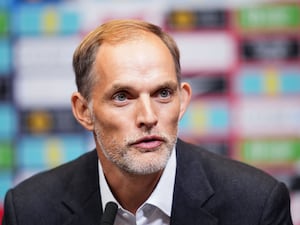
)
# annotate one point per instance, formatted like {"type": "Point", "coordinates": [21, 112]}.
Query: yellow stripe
{"type": "Point", "coordinates": [271, 82]}
{"type": "Point", "coordinates": [54, 152]}
{"type": "Point", "coordinates": [50, 21]}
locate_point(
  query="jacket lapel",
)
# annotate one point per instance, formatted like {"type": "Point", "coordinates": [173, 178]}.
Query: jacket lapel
{"type": "Point", "coordinates": [82, 197]}
{"type": "Point", "coordinates": [192, 190]}
{"type": "Point", "coordinates": [88, 214]}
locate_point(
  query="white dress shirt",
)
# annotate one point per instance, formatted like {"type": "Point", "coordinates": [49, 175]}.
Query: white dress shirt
{"type": "Point", "coordinates": [157, 208]}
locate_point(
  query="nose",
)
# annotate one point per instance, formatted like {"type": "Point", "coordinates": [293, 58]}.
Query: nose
{"type": "Point", "coordinates": [146, 113]}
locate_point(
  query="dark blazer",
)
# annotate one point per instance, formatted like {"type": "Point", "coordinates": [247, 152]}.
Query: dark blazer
{"type": "Point", "coordinates": [209, 190]}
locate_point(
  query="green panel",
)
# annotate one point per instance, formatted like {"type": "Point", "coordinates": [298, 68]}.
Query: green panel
{"type": "Point", "coordinates": [4, 24]}
{"type": "Point", "coordinates": [6, 154]}
{"type": "Point", "coordinates": [273, 16]}
{"type": "Point", "coordinates": [271, 151]}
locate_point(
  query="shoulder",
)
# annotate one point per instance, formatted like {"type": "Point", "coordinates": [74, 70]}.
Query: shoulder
{"type": "Point", "coordinates": [55, 181]}
{"type": "Point", "coordinates": [43, 198]}
{"type": "Point", "coordinates": [223, 172]}
{"type": "Point", "coordinates": [255, 196]}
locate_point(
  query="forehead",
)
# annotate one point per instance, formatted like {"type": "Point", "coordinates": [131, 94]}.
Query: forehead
{"type": "Point", "coordinates": [136, 58]}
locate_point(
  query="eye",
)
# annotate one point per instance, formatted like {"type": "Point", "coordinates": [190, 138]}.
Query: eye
{"type": "Point", "coordinates": [165, 93]}
{"type": "Point", "coordinates": [120, 97]}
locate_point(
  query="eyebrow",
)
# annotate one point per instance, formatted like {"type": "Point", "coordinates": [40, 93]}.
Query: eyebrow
{"type": "Point", "coordinates": [168, 84]}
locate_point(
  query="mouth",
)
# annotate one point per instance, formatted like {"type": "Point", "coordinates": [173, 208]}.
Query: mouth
{"type": "Point", "coordinates": [148, 143]}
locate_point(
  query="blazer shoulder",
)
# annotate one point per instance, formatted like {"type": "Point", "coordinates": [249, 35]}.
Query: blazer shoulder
{"type": "Point", "coordinates": [54, 196]}
{"type": "Point", "coordinates": [221, 169]}
{"type": "Point", "coordinates": [232, 185]}
{"type": "Point", "coordinates": [57, 179]}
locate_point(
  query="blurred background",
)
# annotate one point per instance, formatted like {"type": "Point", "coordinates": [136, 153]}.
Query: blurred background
{"type": "Point", "coordinates": [242, 58]}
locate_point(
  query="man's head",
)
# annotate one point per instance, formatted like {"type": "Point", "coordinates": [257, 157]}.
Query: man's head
{"type": "Point", "coordinates": [135, 99]}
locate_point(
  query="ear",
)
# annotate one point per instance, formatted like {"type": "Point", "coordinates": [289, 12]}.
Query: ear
{"type": "Point", "coordinates": [185, 97]}
{"type": "Point", "coordinates": [81, 111]}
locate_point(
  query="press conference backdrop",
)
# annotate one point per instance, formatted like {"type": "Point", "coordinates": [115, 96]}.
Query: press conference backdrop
{"type": "Point", "coordinates": [242, 59]}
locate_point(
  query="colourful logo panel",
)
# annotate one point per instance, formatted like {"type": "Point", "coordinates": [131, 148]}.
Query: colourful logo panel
{"type": "Point", "coordinates": [268, 81]}
{"type": "Point", "coordinates": [45, 20]}
{"type": "Point", "coordinates": [49, 151]}
{"type": "Point", "coordinates": [206, 119]}
{"type": "Point", "coordinates": [196, 19]}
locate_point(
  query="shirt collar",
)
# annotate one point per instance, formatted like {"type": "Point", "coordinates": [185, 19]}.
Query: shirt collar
{"type": "Point", "coordinates": [162, 195]}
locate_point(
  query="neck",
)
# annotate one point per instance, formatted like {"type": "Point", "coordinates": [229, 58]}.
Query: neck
{"type": "Point", "coordinates": [130, 190]}
{"type": "Point", "coordinates": [133, 190]}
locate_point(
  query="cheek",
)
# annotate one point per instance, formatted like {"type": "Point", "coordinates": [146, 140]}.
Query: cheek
{"type": "Point", "coordinates": [170, 117]}
{"type": "Point", "coordinates": [107, 125]}
{"type": "Point", "coordinates": [111, 121]}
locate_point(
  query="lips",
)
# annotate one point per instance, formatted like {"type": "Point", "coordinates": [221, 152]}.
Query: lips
{"type": "Point", "coordinates": [148, 143]}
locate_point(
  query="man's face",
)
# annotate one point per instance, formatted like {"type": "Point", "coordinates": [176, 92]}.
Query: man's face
{"type": "Point", "coordinates": [136, 104]}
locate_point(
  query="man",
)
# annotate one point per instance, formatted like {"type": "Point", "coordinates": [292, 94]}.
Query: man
{"type": "Point", "coordinates": [131, 97]}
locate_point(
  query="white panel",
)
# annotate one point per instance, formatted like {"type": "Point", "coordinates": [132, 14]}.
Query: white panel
{"type": "Point", "coordinates": [37, 92]}
{"type": "Point", "coordinates": [206, 51]}
{"type": "Point", "coordinates": [45, 56]}
{"type": "Point", "coordinates": [268, 117]}
{"type": "Point", "coordinates": [45, 77]}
